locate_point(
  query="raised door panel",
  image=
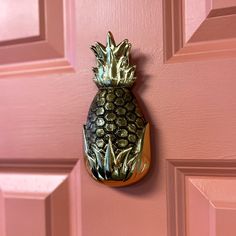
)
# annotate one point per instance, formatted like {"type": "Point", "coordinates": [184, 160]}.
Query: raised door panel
{"type": "Point", "coordinates": [23, 15]}
{"type": "Point", "coordinates": [39, 198]}
{"type": "Point", "coordinates": [28, 219]}
{"type": "Point", "coordinates": [201, 197]}
{"type": "Point", "coordinates": [34, 37]}
{"type": "Point", "coordinates": [199, 29]}
{"type": "Point", "coordinates": [210, 206]}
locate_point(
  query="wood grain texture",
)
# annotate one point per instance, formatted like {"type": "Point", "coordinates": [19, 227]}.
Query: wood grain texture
{"type": "Point", "coordinates": [191, 108]}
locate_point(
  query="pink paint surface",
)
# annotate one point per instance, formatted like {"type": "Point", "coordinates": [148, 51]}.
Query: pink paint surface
{"type": "Point", "coordinates": [46, 89]}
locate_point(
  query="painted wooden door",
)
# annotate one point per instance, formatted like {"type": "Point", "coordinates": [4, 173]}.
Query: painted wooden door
{"type": "Point", "coordinates": [185, 54]}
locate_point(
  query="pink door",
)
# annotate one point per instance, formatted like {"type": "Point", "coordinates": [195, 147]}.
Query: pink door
{"type": "Point", "coordinates": [185, 51]}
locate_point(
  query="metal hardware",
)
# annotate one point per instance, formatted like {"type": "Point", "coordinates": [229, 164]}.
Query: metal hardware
{"type": "Point", "coordinates": [116, 135]}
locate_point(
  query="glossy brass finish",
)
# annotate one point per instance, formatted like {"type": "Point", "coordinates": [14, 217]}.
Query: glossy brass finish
{"type": "Point", "coordinates": [116, 135]}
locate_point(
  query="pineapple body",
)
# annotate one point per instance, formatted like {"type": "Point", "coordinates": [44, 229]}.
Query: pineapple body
{"type": "Point", "coordinates": [114, 113]}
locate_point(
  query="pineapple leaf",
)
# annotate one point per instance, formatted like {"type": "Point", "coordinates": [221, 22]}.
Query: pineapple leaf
{"type": "Point", "coordinates": [110, 41]}
{"type": "Point", "coordinates": [94, 49]}
{"type": "Point", "coordinates": [129, 163]}
{"type": "Point", "coordinates": [85, 140]}
{"type": "Point", "coordinates": [101, 50]}
{"type": "Point", "coordinates": [99, 157]}
{"type": "Point", "coordinates": [122, 155]}
{"type": "Point", "coordinates": [122, 48]}
{"type": "Point", "coordinates": [109, 156]}
{"type": "Point", "coordinates": [113, 68]}
{"type": "Point", "coordinates": [140, 142]}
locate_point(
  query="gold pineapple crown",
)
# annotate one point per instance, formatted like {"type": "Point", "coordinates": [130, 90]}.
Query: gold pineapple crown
{"type": "Point", "coordinates": [113, 68]}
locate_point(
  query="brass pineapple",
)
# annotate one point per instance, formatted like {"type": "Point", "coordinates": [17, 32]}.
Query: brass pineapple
{"type": "Point", "coordinates": [116, 135]}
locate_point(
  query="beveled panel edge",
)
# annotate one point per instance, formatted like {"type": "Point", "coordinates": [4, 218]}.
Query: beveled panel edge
{"type": "Point", "coordinates": [38, 165]}
{"type": "Point", "coordinates": [36, 168]}
{"type": "Point", "coordinates": [37, 68]}
{"type": "Point", "coordinates": [222, 12]}
{"type": "Point", "coordinates": [172, 28]}
{"type": "Point", "coordinates": [177, 171]}
{"type": "Point", "coordinates": [14, 42]}
{"type": "Point", "coordinates": [175, 200]}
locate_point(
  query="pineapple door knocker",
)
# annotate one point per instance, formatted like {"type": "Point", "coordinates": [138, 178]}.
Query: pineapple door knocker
{"type": "Point", "coordinates": [116, 135]}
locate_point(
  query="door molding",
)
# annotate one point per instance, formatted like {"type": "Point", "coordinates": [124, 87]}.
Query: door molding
{"type": "Point", "coordinates": [196, 30]}
{"type": "Point", "coordinates": [193, 199]}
